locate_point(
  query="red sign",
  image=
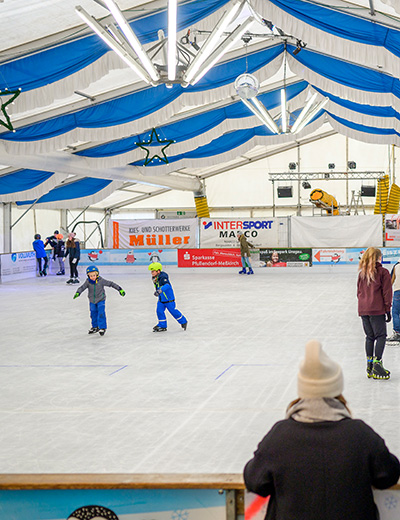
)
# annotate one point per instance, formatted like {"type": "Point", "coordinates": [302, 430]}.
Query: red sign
{"type": "Point", "coordinates": [209, 258]}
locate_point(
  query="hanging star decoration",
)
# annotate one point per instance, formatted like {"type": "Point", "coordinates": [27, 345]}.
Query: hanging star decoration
{"type": "Point", "coordinates": [14, 94]}
{"type": "Point", "coordinates": [146, 145]}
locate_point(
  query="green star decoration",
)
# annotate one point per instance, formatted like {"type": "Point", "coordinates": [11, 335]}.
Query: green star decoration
{"type": "Point", "coordinates": [14, 94]}
{"type": "Point", "coordinates": [146, 146]}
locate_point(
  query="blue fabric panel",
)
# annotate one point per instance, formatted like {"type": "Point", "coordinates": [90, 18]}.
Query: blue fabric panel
{"type": "Point", "coordinates": [193, 126]}
{"type": "Point", "coordinates": [341, 24]}
{"type": "Point", "coordinates": [59, 62]}
{"type": "Point", "coordinates": [363, 128]}
{"type": "Point", "coordinates": [345, 73]}
{"type": "Point", "coordinates": [74, 190]}
{"type": "Point", "coordinates": [134, 106]}
{"type": "Point", "coordinates": [362, 109]}
{"type": "Point", "coordinates": [22, 180]}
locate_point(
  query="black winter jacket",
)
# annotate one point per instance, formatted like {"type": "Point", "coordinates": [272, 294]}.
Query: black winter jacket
{"type": "Point", "coordinates": [321, 471]}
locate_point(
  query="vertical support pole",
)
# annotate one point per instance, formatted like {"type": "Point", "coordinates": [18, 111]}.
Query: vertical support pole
{"type": "Point", "coordinates": [106, 226]}
{"type": "Point", "coordinates": [347, 171]}
{"type": "Point", "coordinates": [230, 504]}
{"type": "Point", "coordinates": [273, 198]}
{"type": "Point", "coordinates": [63, 221]}
{"type": "Point", "coordinates": [393, 163]}
{"type": "Point", "coordinates": [7, 232]}
{"type": "Point", "coordinates": [298, 182]}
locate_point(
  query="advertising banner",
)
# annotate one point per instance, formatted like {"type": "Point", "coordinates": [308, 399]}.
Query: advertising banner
{"type": "Point", "coordinates": [262, 232]}
{"type": "Point", "coordinates": [392, 230]}
{"type": "Point", "coordinates": [338, 256]}
{"type": "Point", "coordinates": [285, 258]}
{"type": "Point", "coordinates": [391, 255]}
{"type": "Point", "coordinates": [133, 257]}
{"type": "Point", "coordinates": [209, 258]}
{"type": "Point", "coordinates": [113, 504]}
{"type": "Point", "coordinates": [144, 234]}
{"type": "Point", "coordinates": [14, 266]}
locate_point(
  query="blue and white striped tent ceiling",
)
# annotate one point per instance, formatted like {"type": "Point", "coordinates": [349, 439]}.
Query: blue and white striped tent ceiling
{"type": "Point", "coordinates": [72, 151]}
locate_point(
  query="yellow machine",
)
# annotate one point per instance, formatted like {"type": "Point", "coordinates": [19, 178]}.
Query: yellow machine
{"type": "Point", "coordinates": [323, 200]}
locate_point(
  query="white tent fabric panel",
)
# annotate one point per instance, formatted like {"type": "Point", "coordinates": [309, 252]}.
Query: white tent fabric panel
{"type": "Point", "coordinates": [336, 231]}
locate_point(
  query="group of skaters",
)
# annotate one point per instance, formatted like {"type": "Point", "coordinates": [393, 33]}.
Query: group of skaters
{"type": "Point", "coordinates": [61, 250]}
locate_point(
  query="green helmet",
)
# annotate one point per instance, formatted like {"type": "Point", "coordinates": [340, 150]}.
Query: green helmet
{"type": "Point", "coordinates": [155, 266]}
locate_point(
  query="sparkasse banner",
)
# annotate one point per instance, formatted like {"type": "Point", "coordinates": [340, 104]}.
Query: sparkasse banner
{"type": "Point", "coordinates": [159, 233]}
{"type": "Point", "coordinates": [260, 232]}
{"type": "Point", "coordinates": [209, 258]}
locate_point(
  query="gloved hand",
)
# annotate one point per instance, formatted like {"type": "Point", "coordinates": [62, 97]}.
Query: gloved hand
{"type": "Point", "coordinates": [122, 292]}
{"type": "Point", "coordinates": [76, 295]}
{"type": "Point", "coordinates": [388, 317]}
{"type": "Point", "coordinates": [156, 294]}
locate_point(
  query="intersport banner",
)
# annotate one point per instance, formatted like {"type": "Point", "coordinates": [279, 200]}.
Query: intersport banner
{"type": "Point", "coordinates": [159, 233]}
{"type": "Point", "coordinates": [260, 232]}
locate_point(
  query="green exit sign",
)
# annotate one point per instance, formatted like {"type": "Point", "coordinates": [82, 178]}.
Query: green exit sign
{"type": "Point", "coordinates": [181, 212]}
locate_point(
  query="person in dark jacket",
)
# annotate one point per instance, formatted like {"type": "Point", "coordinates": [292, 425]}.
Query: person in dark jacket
{"type": "Point", "coordinates": [52, 240]}
{"type": "Point", "coordinates": [59, 253]}
{"type": "Point", "coordinates": [244, 253]}
{"type": "Point", "coordinates": [97, 298]}
{"type": "Point", "coordinates": [166, 298]}
{"type": "Point", "coordinates": [41, 255]}
{"type": "Point", "coordinates": [319, 463]}
{"type": "Point", "coordinates": [374, 293]}
{"type": "Point", "coordinates": [73, 250]}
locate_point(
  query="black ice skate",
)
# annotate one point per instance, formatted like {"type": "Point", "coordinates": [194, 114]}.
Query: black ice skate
{"type": "Point", "coordinates": [69, 281]}
{"type": "Point", "coordinates": [93, 330]}
{"type": "Point", "coordinates": [184, 325]}
{"type": "Point", "coordinates": [370, 363]}
{"type": "Point", "coordinates": [60, 272]}
{"type": "Point", "coordinates": [102, 332]}
{"type": "Point", "coordinates": [378, 371]}
{"type": "Point", "coordinates": [75, 280]}
{"type": "Point", "coordinates": [394, 338]}
{"type": "Point", "coordinates": [159, 329]}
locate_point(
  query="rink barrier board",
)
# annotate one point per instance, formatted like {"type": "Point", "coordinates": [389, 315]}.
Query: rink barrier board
{"type": "Point", "coordinates": [70, 493]}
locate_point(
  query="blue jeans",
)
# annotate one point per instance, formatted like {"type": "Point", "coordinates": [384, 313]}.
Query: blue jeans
{"type": "Point", "coordinates": [396, 312]}
{"type": "Point", "coordinates": [245, 262]}
{"type": "Point", "coordinates": [162, 320]}
{"type": "Point", "coordinates": [98, 314]}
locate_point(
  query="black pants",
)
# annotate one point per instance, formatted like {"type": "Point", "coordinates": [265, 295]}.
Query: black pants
{"type": "Point", "coordinates": [39, 261]}
{"type": "Point", "coordinates": [73, 267]}
{"type": "Point", "coordinates": [375, 335]}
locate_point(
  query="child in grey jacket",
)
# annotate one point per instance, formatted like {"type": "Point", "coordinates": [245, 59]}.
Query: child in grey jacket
{"type": "Point", "coordinates": [95, 285]}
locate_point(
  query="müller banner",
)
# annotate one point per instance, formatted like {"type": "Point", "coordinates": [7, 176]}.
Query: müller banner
{"type": "Point", "coordinates": [160, 233]}
{"type": "Point", "coordinates": [260, 232]}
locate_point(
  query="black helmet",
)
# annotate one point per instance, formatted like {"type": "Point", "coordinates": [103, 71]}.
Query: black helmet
{"type": "Point", "coordinates": [37, 237]}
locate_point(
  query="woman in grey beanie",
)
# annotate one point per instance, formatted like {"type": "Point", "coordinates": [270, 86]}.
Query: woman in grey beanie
{"type": "Point", "coordinates": [319, 463]}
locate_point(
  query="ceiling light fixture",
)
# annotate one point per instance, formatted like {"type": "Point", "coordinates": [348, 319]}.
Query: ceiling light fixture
{"type": "Point", "coordinates": [179, 65]}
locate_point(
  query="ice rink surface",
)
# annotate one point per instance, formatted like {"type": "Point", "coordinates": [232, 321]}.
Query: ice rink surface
{"type": "Point", "coordinates": [175, 402]}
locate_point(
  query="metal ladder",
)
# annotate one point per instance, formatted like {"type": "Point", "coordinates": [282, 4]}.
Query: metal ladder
{"type": "Point", "coordinates": [356, 202]}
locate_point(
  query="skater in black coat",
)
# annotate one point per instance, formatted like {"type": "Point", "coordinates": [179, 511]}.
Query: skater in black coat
{"type": "Point", "coordinates": [319, 463]}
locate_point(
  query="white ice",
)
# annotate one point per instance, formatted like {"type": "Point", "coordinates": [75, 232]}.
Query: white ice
{"type": "Point", "coordinates": [176, 402]}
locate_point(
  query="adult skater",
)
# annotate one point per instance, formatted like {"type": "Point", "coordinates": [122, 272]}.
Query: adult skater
{"type": "Point", "coordinates": [395, 337]}
{"type": "Point", "coordinates": [59, 253]}
{"type": "Point", "coordinates": [374, 293]}
{"type": "Point", "coordinates": [41, 254]}
{"type": "Point", "coordinates": [244, 253]}
{"type": "Point", "coordinates": [73, 250]}
{"type": "Point", "coordinates": [52, 240]}
{"type": "Point", "coordinates": [166, 298]}
{"type": "Point", "coordinates": [319, 463]}
{"type": "Point", "coordinates": [97, 298]}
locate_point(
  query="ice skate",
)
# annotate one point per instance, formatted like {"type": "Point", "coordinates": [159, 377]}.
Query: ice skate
{"type": "Point", "coordinates": [250, 271]}
{"type": "Point", "coordinates": [60, 273]}
{"type": "Point", "coordinates": [102, 332]}
{"type": "Point", "coordinates": [378, 371]}
{"type": "Point", "coordinates": [243, 271]}
{"type": "Point", "coordinates": [159, 329]}
{"type": "Point", "coordinates": [184, 325]}
{"type": "Point", "coordinates": [75, 280]}
{"type": "Point", "coordinates": [370, 363]}
{"type": "Point", "coordinates": [394, 338]}
{"type": "Point", "coordinates": [70, 281]}
{"type": "Point", "coordinates": [40, 273]}
{"type": "Point", "coordinates": [93, 330]}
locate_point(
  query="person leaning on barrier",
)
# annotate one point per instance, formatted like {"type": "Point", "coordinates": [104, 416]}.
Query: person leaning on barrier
{"type": "Point", "coordinates": [319, 463]}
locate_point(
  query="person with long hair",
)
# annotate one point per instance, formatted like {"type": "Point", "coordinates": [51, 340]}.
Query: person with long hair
{"type": "Point", "coordinates": [73, 251]}
{"type": "Point", "coordinates": [319, 463]}
{"type": "Point", "coordinates": [374, 293]}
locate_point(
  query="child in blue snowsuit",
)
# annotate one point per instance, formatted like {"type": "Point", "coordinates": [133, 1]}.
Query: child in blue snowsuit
{"type": "Point", "coordinates": [97, 298]}
{"type": "Point", "coordinates": [41, 254]}
{"type": "Point", "coordinates": [166, 299]}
